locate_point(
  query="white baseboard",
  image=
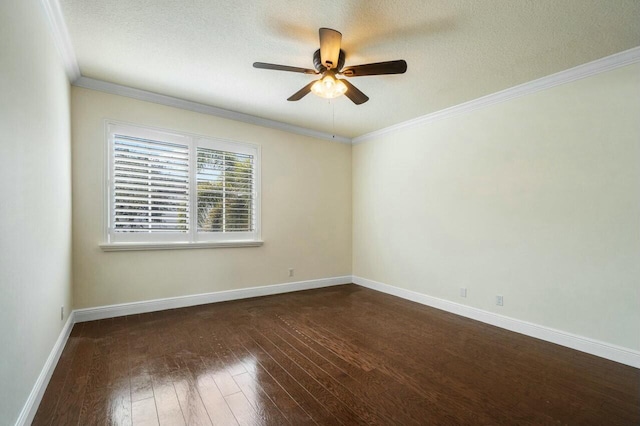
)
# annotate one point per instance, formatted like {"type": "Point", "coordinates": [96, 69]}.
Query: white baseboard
{"type": "Point", "coordinates": [580, 343]}
{"type": "Point", "coordinates": [81, 315]}
{"type": "Point", "coordinates": [33, 401]}
{"type": "Point", "coordinates": [112, 311]}
{"type": "Point", "coordinates": [594, 347]}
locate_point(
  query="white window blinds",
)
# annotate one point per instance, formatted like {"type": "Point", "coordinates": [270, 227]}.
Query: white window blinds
{"type": "Point", "coordinates": [226, 182]}
{"type": "Point", "coordinates": [167, 187]}
{"type": "Point", "coordinates": [151, 185]}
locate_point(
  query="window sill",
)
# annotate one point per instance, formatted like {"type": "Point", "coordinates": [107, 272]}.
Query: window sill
{"type": "Point", "coordinates": [178, 245]}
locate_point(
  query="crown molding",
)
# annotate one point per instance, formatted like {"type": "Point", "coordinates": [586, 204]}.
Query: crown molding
{"type": "Point", "coordinates": [143, 95]}
{"type": "Point", "coordinates": [63, 43]}
{"type": "Point", "coordinates": [598, 66]}
{"type": "Point", "coordinates": [61, 38]}
{"type": "Point", "coordinates": [65, 47]}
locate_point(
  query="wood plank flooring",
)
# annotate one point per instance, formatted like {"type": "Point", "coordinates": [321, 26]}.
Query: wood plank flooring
{"type": "Point", "coordinates": [342, 355]}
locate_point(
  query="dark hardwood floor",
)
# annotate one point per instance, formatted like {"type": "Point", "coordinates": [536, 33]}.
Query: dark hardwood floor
{"type": "Point", "coordinates": [340, 355]}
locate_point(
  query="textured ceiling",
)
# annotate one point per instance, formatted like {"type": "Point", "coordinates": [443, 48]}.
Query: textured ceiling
{"type": "Point", "coordinates": [456, 50]}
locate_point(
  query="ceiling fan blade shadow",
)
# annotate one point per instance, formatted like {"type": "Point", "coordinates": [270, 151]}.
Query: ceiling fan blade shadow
{"type": "Point", "coordinates": [301, 93]}
{"type": "Point", "coordinates": [330, 41]}
{"type": "Point", "coordinates": [353, 93]}
{"type": "Point", "coordinates": [290, 29]}
{"type": "Point", "coordinates": [378, 68]}
{"type": "Point", "coordinates": [362, 37]}
{"type": "Point", "coordinates": [265, 66]}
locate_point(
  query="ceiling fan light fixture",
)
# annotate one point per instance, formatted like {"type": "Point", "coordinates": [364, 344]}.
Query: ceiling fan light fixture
{"type": "Point", "coordinates": [329, 87]}
{"type": "Point", "coordinates": [329, 61]}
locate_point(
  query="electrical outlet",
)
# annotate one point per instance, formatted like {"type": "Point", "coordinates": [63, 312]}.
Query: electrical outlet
{"type": "Point", "coordinates": [463, 292]}
{"type": "Point", "coordinates": [61, 313]}
{"type": "Point", "coordinates": [290, 272]}
{"type": "Point", "coordinates": [499, 300]}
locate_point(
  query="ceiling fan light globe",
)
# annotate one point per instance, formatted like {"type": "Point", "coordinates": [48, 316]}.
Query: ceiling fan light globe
{"type": "Point", "coordinates": [328, 87]}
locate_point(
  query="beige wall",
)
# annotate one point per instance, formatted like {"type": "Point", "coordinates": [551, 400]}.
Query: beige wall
{"type": "Point", "coordinates": [35, 206]}
{"type": "Point", "coordinates": [536, 199]}
{"type": "Point", "coordinates": [306, 211]}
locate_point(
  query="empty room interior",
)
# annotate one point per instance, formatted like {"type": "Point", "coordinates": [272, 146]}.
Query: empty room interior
{"type": "Point", "coordinates": [323, 213]}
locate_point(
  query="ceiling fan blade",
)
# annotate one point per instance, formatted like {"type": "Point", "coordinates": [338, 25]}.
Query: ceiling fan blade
{"type": "Point", "coordinates": [276, 67]}
{"type": "Point", "coordinates": [353, 93]}
{"type": "Point", "coordinates": [330, 47]}
{"type": "Point", "coordinates": [301, 93]}
{"type": "Point", "coordinates": [379, 68]}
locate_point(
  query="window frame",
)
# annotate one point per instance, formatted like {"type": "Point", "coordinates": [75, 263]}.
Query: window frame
{"type": "Point", "coordinates": [116, 241]}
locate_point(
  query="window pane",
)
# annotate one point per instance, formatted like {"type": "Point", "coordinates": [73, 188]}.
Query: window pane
{"type": "Point", "coordinates": [225, 191]}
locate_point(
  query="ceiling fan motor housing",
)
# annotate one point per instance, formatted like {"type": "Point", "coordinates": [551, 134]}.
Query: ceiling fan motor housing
{"type": "Point", "coordinates": [317, 61]}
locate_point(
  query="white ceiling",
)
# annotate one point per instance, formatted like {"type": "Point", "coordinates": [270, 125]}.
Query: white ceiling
{"type": "Point", "coordinates": [456, 50]}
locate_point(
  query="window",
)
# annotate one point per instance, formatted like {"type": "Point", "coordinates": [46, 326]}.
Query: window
{"type": "Point", "coordinates": [169, 190]}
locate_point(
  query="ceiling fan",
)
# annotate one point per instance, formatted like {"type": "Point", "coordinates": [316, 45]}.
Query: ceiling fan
{"type": "Point", "coordinates": [329, 62]}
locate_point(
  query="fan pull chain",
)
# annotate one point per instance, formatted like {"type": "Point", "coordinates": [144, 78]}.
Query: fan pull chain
{"type": "Point", "coordinates": [333, 114]}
